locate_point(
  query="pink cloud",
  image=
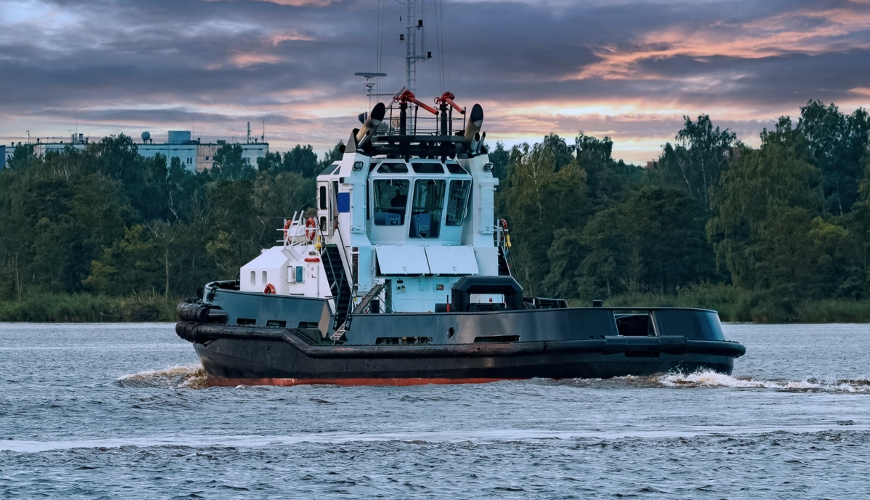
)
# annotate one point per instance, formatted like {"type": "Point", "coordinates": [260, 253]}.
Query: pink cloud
{"type": "Point", "coordinates": [292, 3]}
{"type": "Point", "coordinates": [766, 37]}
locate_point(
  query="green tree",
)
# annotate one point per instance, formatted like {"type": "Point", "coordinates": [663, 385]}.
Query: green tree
{"type": "Point", "coordinates": [235, 237]}
{"type": "Point", "coordinates": [301, 160]}
{"type": "Point", "coordinates": [835, 144]}
{"type": "Point", "coordinates": [764, 210]}
{"type": "Point", "coordinates": [541, 199]}
{"type": "Point", "coordinates": [499, 158]}
{"type": "Point", "coordinates": [653, 241]}
{"type": "Point", "coordinates": [608, 181]}
{"type": "Point", "coordinates": [268, 162]}
{"type": "Point", "coordinates": [130, 265]}
{"type": "Point", "coordinates": [857, 222]}
{"type": "Point", "coordinates": [164, 236]}
{"type": "Point", "coordinates": [22, 157]}
{"type": "Point", "coordinates": [277, 197]}
{"type": "Point", "coordinates": [230, 165]}
{"type": "Point", "coordinates": [330, 156]}
{"type": "Point", "coordinates": [698, 160]}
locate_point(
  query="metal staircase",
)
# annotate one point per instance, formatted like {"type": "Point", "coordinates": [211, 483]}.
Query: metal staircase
{"type": "Point", "coordinates": [367, 299]}
{"type": "Point", "coordinates": [338, 283]}
{"type": "Point", "coordinates": [503, 266]}
{"type": "Point", "coordinates": [360, 308]}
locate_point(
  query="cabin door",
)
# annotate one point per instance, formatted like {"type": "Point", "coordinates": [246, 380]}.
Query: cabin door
{"type": "Point", "coordinates": [325, 207]}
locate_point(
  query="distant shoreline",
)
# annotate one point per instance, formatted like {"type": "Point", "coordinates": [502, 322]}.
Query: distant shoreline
{"type": "Point", "coordinates": [739, 306]}
{"type": "Point", "coordinates": [88, 308]}
{"type": "Point", "coordinates": [733, 306]}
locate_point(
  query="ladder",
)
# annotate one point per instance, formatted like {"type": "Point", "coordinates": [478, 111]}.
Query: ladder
{"type": "Point", "coordinates": [366, 300]}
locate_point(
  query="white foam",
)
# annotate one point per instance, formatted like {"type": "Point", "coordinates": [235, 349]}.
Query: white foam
{"type": "Point", "coordinates": [416, 437]}
{"type": "Point", "coordinates": [181, 376]}
{"type": "Point", "coordinates": [713, 379]}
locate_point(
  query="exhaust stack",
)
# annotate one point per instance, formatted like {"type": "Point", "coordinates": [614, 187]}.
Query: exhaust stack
{"type": "Point", "coordinates": [368, 129]}
{"type": "Point", "coordinates": [475, 121]}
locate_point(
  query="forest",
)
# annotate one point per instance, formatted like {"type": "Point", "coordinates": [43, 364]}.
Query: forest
{"type": "Point", "coordinates": [776, 233]}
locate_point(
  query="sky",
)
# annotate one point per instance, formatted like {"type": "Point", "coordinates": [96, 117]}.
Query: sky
{"type": "Point", "coordinates": [625, 69]}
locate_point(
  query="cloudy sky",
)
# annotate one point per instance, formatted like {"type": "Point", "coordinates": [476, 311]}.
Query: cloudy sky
{"type": "Point", "coordinates": [627, 69]}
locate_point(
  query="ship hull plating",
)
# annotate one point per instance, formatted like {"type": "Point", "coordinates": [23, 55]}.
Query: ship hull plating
{"type": "Point", "coordinates": [234, 355]}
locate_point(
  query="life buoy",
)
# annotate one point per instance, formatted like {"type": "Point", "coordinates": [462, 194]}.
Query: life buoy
{"type": "Point", "coordinates": [270, 289]}
{"type": "Point", "coordinates": [286, 228]}
{"type": "Point", "coordinates": [505, 234]}
{"type": "Point", "coordinates": [311, 228]}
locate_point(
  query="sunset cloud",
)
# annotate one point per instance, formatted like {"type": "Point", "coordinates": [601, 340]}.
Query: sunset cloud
{"type": "Point", "coordinates": [626, 69]}
{"type": "Point", "coordinates": [291, 3]}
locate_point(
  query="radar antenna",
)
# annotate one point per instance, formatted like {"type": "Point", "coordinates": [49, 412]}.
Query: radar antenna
{"type": "Point", "coordinates": [369, 85]}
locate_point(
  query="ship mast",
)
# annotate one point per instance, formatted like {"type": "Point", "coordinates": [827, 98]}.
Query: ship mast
{"type": "Point", "coordinates": [412, 29]}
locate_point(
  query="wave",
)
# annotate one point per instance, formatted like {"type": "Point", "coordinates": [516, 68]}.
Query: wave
{"type": "Point", "coordinates": [194, 377]}
{"type": "Point", "coordinates": [809, 384]}
{"type": "Point", "coordinates": [179, 376]}
{"type": "Point", "coordinates": [488, 436]}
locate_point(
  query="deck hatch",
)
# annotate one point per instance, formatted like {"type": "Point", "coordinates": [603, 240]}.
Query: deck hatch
{"type": "Point", "coordinates": [458, 260]}
{"type": "Point", "coordinates": [402, 260]}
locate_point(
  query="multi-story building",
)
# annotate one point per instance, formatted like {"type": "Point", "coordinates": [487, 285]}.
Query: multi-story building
{"type": "Point", "coordinates": [192, 153]}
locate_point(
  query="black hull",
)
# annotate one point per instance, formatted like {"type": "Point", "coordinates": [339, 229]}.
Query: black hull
{"type": "Point", "coordinates": [233, 355]}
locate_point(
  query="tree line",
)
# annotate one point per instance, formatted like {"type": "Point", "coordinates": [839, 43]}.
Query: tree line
{"type": "Point", "coordinates": [106, 220]}
{"type": "Point", "coordinates": [790, 218]}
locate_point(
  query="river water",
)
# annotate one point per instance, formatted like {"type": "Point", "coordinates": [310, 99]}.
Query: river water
{"type": "Point", "coordinates": [122, 411]}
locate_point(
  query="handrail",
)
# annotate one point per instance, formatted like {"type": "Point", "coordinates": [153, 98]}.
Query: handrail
{"type": "Point", "coordinates": [337, 284]}
{"type": "Point", "coordinates": [329, 259]}
{"type": "Point", "coordinates": [374, 292]}
{"type": "Point", "coordinates": [343, 253]}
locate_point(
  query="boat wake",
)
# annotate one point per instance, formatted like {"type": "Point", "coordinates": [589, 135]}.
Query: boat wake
{"type": "Point", "coordinates": [183, 377]}
{"type": "Point", "coordinates": [194, 377]}
{"type": "Point", "coordinates": [809, 384]}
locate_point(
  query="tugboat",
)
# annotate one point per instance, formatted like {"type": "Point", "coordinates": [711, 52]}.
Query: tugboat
{"type": "Point", "coordinates": [402, 278]}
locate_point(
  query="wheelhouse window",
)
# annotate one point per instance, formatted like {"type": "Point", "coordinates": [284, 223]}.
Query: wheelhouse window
{"type": "Point", "coordinates": [393, 168]}
{"type": "Point", "coordinates": [454, 168]}
{"type": "Point", "coordinates": [390, 201]}
{"type": "Point", "coordinates": [427, 168]}
{"type": "Point", "coordinates": [457, 202]}
{"type": "Point", "coordinates": [427, 207]}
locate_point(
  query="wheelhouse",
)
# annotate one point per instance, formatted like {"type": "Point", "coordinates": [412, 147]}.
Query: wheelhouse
{"type": "Point", "coordinates": [416, 202]}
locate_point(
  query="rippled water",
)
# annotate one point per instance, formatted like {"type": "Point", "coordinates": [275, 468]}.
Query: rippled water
{"type": "Point", "coordinates": [124, 411]}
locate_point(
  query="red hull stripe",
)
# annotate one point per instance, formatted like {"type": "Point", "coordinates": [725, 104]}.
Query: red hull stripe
{"type": "Point", "coordinates": [232, 382]}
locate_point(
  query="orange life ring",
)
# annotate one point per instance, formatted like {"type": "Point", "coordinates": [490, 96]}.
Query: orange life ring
{"type": "Point", "coordinates": [311, 228]}
{"type": "Point", "coordinates": [270, 289]}
{"type": "Point", "coordinates": [286, 227]}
